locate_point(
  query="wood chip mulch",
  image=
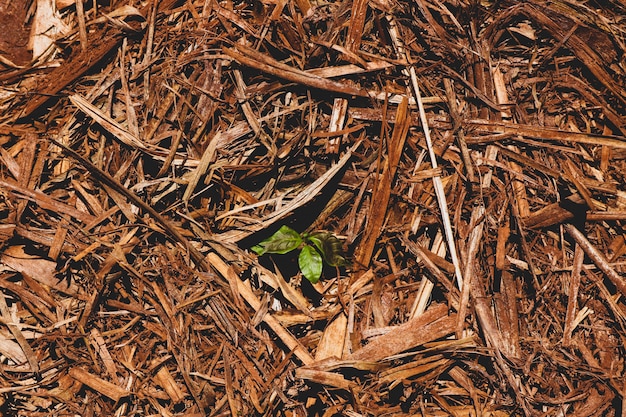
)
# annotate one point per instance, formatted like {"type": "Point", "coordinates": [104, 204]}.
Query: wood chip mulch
{"type": "Point", "coordinates": [469, 155]}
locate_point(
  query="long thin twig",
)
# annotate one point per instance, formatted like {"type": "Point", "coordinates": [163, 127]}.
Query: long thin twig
{"type": "Point", "coordinates": [438, 184]}
{"type": "Point", "coordinates": [600, 260]}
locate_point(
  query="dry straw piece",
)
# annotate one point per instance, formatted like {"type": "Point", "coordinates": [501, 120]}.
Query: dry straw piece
{"type": "Point", "coordinates": [469, 156]}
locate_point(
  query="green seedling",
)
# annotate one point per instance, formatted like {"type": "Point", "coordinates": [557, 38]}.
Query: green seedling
{"type": "Point", "coordinates": [315, 249]}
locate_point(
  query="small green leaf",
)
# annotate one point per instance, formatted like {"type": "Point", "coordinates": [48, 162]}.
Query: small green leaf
{"type": "Point", "coordinates": [310, 262]}
{"type": "Point", "coordinates": [329, 246]}
{"type": "Point", "coordinates": [284, 240]}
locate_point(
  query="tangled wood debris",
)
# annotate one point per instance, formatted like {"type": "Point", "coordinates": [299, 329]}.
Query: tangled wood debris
{"type": "Point", "coordinates": [470, 156]}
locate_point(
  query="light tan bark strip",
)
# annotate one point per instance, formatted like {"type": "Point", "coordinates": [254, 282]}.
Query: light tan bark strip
{"type": "Point", "coordinates": [105, 388]}
{"type": "Point", "coordinates": [434, 324]}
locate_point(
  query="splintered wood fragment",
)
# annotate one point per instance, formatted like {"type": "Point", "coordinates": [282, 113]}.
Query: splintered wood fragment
{"type": "Point", "coordinates": [246, 292]}
{"type": "Point", "coordinates": [557, 213]}
{"type": "Point", "coordinates": [379, 312]}
{"type": "Point", "coordinates": [461, 377]}
{"type": "Point", "coordinates": [594, 402]}
{"type": "Point", "coordinates": [101, 348]}
{"type": "Point", "coordinates": [434, 263]}
{"type": "Point", "coordinates": [91, 201]}
{"type": "Point", "coordinates": [424, 294]}
{"type": "Point", "coordinates": [595, 216]}
{"type": "Point", "coordinates": [245, 104]}
{"type": "Point", "coordinates": [164, 378]}
{"type": "Point", "coordinates": [433, 324]}
{"type": "Point", "coordinates": [235, 18]}
{"type": "Point", "coordinates": [10, 163]}
{"type": "Point", "coordinates": [605, 157]}
{"type": "Point", "coordinates": [597, 257]}
{"type": "Point", "coordinates": [382, 192]}
{"type": "Point", "coordinates": [357, 24]}
{"type": "Point", "coordinates": [305, 7]}
{"type": "Point", "coordinates": [412, 369]}
{"type": "Point", "coordinates": [508, 315]}
{"type": "Point", "coordinates": [131, 114]}
{"type": "Point", "coordinates": [252, 58]}
{"type": "Point", "coordinates": [7, 320]}
{"type": "Point", "coordinates": [575, 176]}
{"type": "Point", "coordinates": [529, 162]}
{"type": "Point", "coordinates": [350, 69]}
{"type": "Point", "coordinates": [26, 160]}
{"type": "Point", "coordinates": [460, 134]}
{"type": "Point", "coordinates": [330, 133]}
{"type": "Point", "coordinates": [484, 313]}
{"type": "Point", "coordinates": [326, 378]}
{"type": "Point", "coordinates": [116, 257]}
{"type": "Point", "coordinates": [56, 247]}
{"type": "Point", "coordinates": [46, 202]}
{"type": "Point", "coordinates": [337, 120]}
{"type": "Point", "coordinates": [202, 168]}
{"type": "Point", "coordinates": [12, 350]}
{"type": "Point", "coordinates": [470, 273]}
{"type": "Point", "coordinates": [503, 237]}
{"type": "Point", "coordinates": [29, 297]}
{"type": "Point", "coordinates": [100, 385]}
{"type": "Point", "coordinates": [360, 282]}
{"type": "Point", "coordinates": [489, 327]}
{"type": "Point", "coordinates": [518, 186]}
{"type": "Point", "coordinates": [82, 27]}
{"type": "Point", "coordinates": [107, 123]}
{"type": "Point", "coordinates": [333, 340]}
{"type": "Point", "coordinates": [6, 232]}
{"type": "Point", "coordinates": [166, 304]}
{"type": "Point", "coordinates": [541, 133]}
{"type": "Point", "coordinates": [572, 295]}
{"type": "Point", "coordinates": [158, 115]}
{"type": "Point", "coordinates": [121, 203]}
{"type": "Point", "coordinates": [333, 364]}
{"type": "Point", "coordinates": [148, 55]}
{"type": "Point", "coordinates": [40, 291]}
{"type": "Point", "coordinates": [276, 281]}
{"type": "Point", "coordinates": [40, 236]}
{"type": "Point", "coordinates": [231, 277]}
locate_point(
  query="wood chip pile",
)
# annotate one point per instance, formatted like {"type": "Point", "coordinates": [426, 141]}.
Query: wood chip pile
{"type": "Point", "coordinates": [470, 156]}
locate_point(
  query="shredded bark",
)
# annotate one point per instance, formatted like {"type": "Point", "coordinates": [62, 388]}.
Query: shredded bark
{"type": "Point", "coordinates": [468, 155]}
